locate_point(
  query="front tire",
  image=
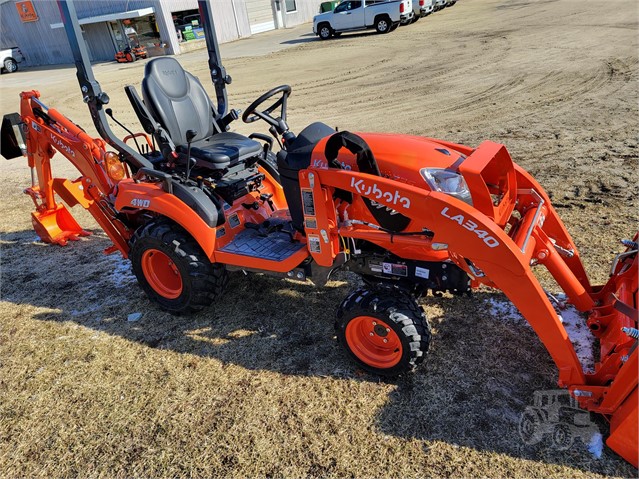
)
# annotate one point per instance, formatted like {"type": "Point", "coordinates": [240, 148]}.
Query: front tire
{"type": "Point", "coordinates": [325, 31]}
{"type": "Point", "coordinates": [172, 269]}
{"type": "Point", "coordinates": [10, 65]}
{"type": "Point", "coordinates": [383, 25]}
{"type": "Point", "coordinates": [385, 332]}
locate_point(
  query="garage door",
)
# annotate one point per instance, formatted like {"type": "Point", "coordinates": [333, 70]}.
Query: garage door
{"type": "Point", "coordinates": [260, 15]}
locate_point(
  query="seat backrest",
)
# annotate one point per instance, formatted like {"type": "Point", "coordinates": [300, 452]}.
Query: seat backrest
{"type": "Point", "coordinates": [177, 100]}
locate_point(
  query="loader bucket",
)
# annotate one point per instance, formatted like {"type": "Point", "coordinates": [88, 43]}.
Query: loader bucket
{"type": "Point", "coordinates": [57, 226]}
{"type": "Point", "coordinates": [623, 430]}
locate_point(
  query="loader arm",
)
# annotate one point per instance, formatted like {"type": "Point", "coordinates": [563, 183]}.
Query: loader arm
{"type": "Point", "coordinates": [502, 257]}
{"type": "Point", "coordinates": [470, 235]}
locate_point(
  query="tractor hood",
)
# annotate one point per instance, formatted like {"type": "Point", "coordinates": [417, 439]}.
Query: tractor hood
{"type": "Point", "coordinates": [488, 171]}
{"type": "Point", "coordinates": [400, 157]}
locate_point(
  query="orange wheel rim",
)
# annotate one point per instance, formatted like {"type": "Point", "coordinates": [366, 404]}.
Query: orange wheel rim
{"type": "Point", "coordinates": [374, 342]}
{"type": "Point", "coordinates": [161, 273]}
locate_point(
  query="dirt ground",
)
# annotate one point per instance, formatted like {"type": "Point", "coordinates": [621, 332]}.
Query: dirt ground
{"type": "Point", "coordinates": [256, 385]}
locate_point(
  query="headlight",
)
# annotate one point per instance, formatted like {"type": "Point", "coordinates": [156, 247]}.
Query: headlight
{"type": "Point", "coordinates": [448, 182]}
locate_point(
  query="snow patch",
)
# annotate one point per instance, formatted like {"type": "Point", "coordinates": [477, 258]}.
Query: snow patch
{"type": "Point", "coordinates": [121, 275]}
{"type": "Point", "coordinates": [595, 447]}
{"type": "Point", "coordinates": [582, 339]}
{"type": "Point", "coordinates": [505, 310]}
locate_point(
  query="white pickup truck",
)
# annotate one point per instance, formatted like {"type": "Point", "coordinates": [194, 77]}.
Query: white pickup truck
{"type": "Point", "coordinates": [352, 15]}
{"type": "Point", "coordinates": [9, 59]}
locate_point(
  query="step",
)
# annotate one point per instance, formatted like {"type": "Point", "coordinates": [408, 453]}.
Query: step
{"type": "Point", "coordinates": [274, 246]}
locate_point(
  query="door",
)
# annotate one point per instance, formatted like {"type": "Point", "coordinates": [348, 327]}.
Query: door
{"type": "Point", "coordinates": [260, 15]}
{"type": "Point", "coordinates": [347, 15]}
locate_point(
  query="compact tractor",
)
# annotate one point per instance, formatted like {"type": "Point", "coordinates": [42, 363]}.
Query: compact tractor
{"type": "Point", "coordinates": [193, 201]}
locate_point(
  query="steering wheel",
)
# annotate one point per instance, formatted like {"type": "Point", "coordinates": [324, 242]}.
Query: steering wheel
{"type": "Point", "coordinates": [252, 114]}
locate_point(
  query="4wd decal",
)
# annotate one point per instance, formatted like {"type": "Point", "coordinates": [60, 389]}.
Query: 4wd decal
{"type": "Point", "coordinates": [140, 203]}
{"type": "Point", "coordinates": [365, 189]}
{"type": "Point", "coordinates": [470, 225]}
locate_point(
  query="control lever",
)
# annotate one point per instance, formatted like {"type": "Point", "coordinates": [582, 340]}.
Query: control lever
{"type": "Point", "coordinates": [190, 134]}
{"type": "Point", "coordinates": [266, 197]}
{"type": "Point", "coordinates": [268, 142]}
{"type": "Point", "coordinates": [109, 112]}
{"type": "Point", "coordinates": [273, 132]}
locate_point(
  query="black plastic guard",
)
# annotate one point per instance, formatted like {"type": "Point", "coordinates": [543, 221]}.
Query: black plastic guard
{"type": "Point", "coordinates": [12, 139]}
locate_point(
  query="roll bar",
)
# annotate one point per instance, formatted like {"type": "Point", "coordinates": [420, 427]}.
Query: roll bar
{"type": "Point", "coordinates": [218, 73]}
{"type": "Point", "coordinates": [95, 98]}
{"type": "Point", "coordinates": [92, 94]}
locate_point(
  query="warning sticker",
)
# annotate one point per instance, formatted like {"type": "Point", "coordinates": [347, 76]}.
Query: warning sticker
{"type": "Point", "coordinates": [234, 220]}
{"type": "Point", "coordinates": [395, 269]}
{"type": "Point", "coordinates": [311, 223]}
{"type": "Point", "coordinates": [221, 232]}
{"type": "Point", "coordinates": [314, 244]}
{"type": "Point", "coordinates": [308, 203]}
{"type": "Point", "coordinates": [422, 272]}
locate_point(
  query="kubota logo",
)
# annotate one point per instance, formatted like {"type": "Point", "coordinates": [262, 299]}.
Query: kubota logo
{"type": "Point", "coordinates": [470, 225]}
{"type": "Point", "coordinates": [367, 190]}
{"type": "Point", "coordinates": [317, 163]}
{"type": "Point", "coordinates": [61, 146]}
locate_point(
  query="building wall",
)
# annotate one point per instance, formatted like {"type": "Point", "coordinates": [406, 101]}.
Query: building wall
{"type": "Point", "coordinates": [99, 41]}
{"type": "Point", "coordinates": [39, 43]}
{"type": "Point", "coordinates": [43, 45]}
{"type": "Point", "coordinates": [306, 10]}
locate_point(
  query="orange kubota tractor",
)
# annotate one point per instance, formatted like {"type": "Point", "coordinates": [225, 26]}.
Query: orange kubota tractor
{"type": "Point", "coordinates": [409, 214]}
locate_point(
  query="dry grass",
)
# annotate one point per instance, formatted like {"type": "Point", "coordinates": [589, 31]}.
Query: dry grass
{"type": "Point", "coordinates": [256, 385]}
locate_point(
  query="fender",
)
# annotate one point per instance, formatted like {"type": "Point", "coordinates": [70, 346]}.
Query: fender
{"type": "Point", "coordinates": [151, 197]}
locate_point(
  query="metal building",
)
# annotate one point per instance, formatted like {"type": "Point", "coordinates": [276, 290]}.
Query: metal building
{"type": "Point", "coordinates": [162, 26]}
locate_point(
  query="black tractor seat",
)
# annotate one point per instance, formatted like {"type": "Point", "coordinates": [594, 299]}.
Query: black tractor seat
{"type": "Point", "coordinates": [222, 150]}
{"type": "Point", "coordinates": [178, 101]}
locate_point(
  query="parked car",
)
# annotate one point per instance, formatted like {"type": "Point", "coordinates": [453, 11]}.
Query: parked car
{"type": "Point", "coordinates": [10, 57]}
{"type": "Point", "coordinates": [353, 15]}
{"type": "Point", "coordinates": [421, 8]}
{"type": "Point", "coordinates": [439, 4]}
{"type": "Point", "coordinates": [407, 14]}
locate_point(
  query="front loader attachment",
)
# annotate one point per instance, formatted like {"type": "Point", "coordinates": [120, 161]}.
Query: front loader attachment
{"type": "Point", "coordinates": [510, 227]}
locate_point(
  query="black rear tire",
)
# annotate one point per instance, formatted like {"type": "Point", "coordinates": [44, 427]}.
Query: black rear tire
{"type": "Point", "coordinates": [200, 281]}
{"type": "Point", "coordinates": [383, 24]}
{"type": "Point", "coordinates": [386, 332]}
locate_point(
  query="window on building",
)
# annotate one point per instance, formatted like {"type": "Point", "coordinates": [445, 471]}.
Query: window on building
{"type": "Point", "coordinates": [188, 25]}
{"type": "Point", "coordinates": [290, 6]}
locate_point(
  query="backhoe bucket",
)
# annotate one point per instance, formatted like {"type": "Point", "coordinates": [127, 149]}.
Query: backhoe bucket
{"type": "Point", "coordinates": [57, 226]}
